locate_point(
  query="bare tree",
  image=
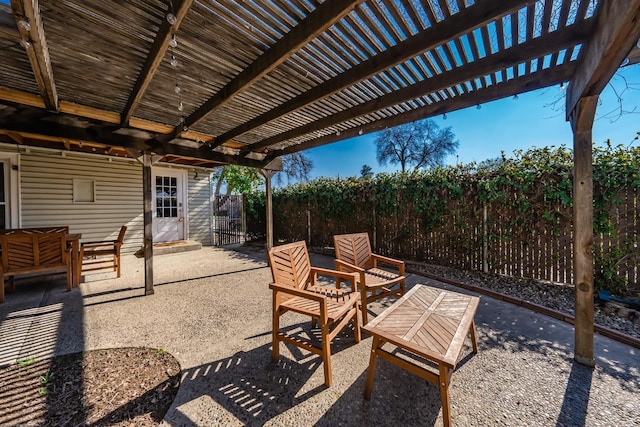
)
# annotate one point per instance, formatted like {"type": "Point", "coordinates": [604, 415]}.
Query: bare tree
{"type": "Point", "coordinates": [419, 144]}
{"type": "Point", "coordinates": [295, 167]}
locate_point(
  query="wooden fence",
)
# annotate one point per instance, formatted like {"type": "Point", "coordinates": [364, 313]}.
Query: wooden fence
{"type": "Point", "coordinates": [471, 235]}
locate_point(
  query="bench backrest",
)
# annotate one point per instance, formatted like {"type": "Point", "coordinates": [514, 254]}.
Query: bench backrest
{"type": "Point", "coordinates": [24, 250]}
{"type": "Point", "coordinates": [290, 264]}
{"type": "Point", "coordinates": [354, 249]}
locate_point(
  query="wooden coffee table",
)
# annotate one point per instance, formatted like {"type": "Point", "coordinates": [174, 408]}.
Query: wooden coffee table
{"type": "Point", "coordinates": [430, 323]}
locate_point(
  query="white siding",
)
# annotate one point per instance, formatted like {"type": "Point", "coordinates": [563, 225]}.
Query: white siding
{"type": "Point", "coordinates": [46, 196]}
{"type": "Point", "coordinates": [199, 205]}
{"type": "Point", "coordinates": [46, 184]}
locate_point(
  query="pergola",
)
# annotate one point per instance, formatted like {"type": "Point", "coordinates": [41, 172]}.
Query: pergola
{"type": "Point", "coordinates": [205, 83]}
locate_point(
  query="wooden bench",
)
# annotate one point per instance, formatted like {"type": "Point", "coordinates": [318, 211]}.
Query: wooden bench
{"type": "Point", "coordinates": [33, 250]}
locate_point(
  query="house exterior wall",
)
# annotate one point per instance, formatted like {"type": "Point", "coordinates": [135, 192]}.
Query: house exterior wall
{"type": "Point", "coordinates": [46, 186]}
{"type": "Point", "coordinates": [200, 208]}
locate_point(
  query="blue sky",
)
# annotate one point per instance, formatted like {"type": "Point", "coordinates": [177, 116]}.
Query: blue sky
{"type": "Point", "coordinates": [503, 125]}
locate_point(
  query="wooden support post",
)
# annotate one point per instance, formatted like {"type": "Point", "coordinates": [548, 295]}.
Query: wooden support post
{"type": "Point", "coordinates": [582, 123]}
{"type": "Point", "coordinates": [147, 161]}
{"type": "Point", "coordinates": [268, 174]}
{"type": "Point", "coordinates": [309, 227]}
{"type": "Point", "coordinates": [485, 240]}
{"type": "Point", "coordinates": [375, 231]}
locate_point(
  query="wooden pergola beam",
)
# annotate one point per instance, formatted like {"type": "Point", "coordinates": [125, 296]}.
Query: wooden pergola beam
{"type": "Point", "coordinates": [615, 33]}
{"type": "Point", "coordinates": [155, 57]}
{"type": "Point", "coordinates": [37, 122]}
{"type": "Point", "coordinates": [30, 99]}
{"type": "Point", "coordinates": [538, 47]}
{"type": "Point", "coordinates": [26, 14]}
{"type": "Point", "coordinates": [520, 85]}
{"type": "Point", "coordinates": [463, 22]}
{"type": "Point", "coordinates": [323, 17]}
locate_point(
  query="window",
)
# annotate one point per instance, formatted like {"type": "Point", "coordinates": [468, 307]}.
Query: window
{"type": "Point", "coordinates": [166, 197]}
{"type": "Point", "coordinates": [84, 190]}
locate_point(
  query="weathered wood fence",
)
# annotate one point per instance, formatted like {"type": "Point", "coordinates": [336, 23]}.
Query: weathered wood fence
{"type": "Point", "coordinates": [469, 234]}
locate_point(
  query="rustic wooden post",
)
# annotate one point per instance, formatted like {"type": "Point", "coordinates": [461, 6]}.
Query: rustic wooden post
{"type": "Point", "coordinates": [269, 206]}
{"type": "Point", "coordinates": [146, 159]}
{"type": "Point", "coordinates": [485, 240]}
{"type": "Point", "coordinates": [309, 227]}
{"type": "Point", "coordinates": [268, 172]}
{"type": "Point", "coordinates": [147, 186]}
{"type": "Point", "coordinates": [615, 32]}
{"type": "Point", "coordinates": [582, 123]}
{"type": "Point", "coordinates": [375, 230]}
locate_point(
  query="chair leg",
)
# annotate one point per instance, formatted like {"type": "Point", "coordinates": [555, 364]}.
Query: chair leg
{"type": "Point", "coordinates": [275, 345]}
{"type": "Point", "coordinates": [69, 278]}
{"type": "Point", "coordinates": [363, 304]}
{"type": "Point", "coordinates": [326, 354]}
{"type": "Point", "coordinates": [12, 284]}
{"type": "Point", "coordinates": [356, 325]}
{"type": "Point", "coordinates": [115, 264]}
{"type": "Point", "coordinates": [117, 260]}
{"type": "Point", "coordinates": [1, 286]}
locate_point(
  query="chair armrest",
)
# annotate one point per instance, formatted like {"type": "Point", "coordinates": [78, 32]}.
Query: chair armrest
{"type": "Point", "coordinates": [339, 275]}
{"type": "Point", "coordinates": [99, 244]}
{"type": "Point", "coordinates": [348, 267]}
{"type": "Point", "coordinates": [388, 260]}
{"type": "Point", "coordinates": [276, 287]}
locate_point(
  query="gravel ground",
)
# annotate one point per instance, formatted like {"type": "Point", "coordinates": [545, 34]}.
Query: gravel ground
{"type": "Point", "coordinates": [552, 295]}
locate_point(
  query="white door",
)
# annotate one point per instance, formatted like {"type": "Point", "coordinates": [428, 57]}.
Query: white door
{"type": "Point", "coordinates": [4, 199]}
{"type": "Point", "coordinates": [168, 218]}
{"type": "Point", "coordinates": [9, 179]}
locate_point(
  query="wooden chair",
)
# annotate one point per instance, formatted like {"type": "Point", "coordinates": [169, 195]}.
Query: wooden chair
{"type": "Point", "coordinates": [102, 255]}
{"type": "Point", "coordinates": [353, 254]}
{"type": "Point", "coordinates": [296, 289]}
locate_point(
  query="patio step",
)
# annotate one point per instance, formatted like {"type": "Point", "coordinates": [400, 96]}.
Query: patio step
{"type": "Point", "coordinates": [174, 247]}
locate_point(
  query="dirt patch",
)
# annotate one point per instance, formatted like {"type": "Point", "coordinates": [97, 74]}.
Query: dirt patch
{"type": "Point", "coordinates": [124, 387]}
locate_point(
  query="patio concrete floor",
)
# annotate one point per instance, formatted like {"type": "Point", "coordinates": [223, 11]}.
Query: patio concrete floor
{"type": "Point", "coordinates": [212, 311]}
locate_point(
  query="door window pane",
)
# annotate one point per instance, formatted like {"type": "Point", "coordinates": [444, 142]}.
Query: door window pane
{"type": "Point", "coordinates": [166, 197]}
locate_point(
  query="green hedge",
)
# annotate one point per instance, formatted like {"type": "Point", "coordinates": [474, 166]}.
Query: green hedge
{"type": "Point", "coordinates": [528, 195]}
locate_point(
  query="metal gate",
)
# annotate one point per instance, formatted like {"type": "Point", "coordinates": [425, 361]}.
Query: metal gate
{"type": "Point", "coordinates": [228, 220]}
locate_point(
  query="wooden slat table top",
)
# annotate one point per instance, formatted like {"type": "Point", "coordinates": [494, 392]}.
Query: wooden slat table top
{"type": "Point", "coordinates": [430, 322]}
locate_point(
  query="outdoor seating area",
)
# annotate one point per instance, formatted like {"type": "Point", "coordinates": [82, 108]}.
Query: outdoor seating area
{"type": "Point", "coordinates": [50, 250]}
{"type": "Point", "coordinates": [36, 250]}
{"type": "Point", "coordinates": [212, 310]}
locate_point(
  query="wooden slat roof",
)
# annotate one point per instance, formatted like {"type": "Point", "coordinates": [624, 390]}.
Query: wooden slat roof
{"type": "Point", "coordinates": [261, 78]}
